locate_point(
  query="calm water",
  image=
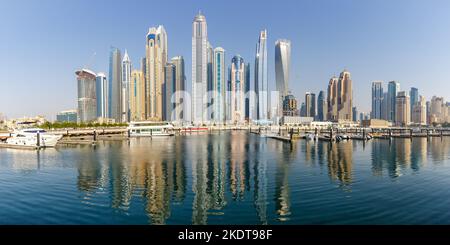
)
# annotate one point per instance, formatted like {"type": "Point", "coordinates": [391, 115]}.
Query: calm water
{"type": "Point", "coordinates": [228, 178]}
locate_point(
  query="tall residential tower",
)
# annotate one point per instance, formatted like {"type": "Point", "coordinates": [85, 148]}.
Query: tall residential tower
{"type": "Point", "coordinates": [102, 92]}
{"type": "Point", "coordinates": [282, 69]}
{"type": "Point", "coordinates": [156, 59]}
{"type": "Point", "coordinates": [261, 78]}
{"type": "Point", "coordinates": [87, 103]}
{"type": "Point", "coordinates": [115, 85]}
{"type": "Point", "coordinates": [199, 69]}
{"type": "Point", "coordinates": [377, 100]}
{"type": "Point", "coordinates": [219, 85]}
{"type": "Point", "coordinates": [126, 77]}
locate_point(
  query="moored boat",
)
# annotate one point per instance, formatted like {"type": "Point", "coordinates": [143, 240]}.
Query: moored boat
{"type": "Point", "coordinates": [150, 129]}
{"type": "Point", "coordinates": [31, 137]}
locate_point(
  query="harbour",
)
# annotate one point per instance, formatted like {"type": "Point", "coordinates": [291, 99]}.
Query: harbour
{"type": "Point", "coordinates": [284, 133]}
{"type": "Point", "coordinates": [228, 177]}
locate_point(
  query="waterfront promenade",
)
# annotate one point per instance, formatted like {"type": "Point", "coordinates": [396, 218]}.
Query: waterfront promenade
{"type": "Point", "coordinates": [285, 133]}
{"type": "Point", "coordinates": [90, 136]}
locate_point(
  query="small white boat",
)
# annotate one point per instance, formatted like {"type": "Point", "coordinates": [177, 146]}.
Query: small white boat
{"type": "Point", "coordinates": [150, 129]}
{"type": "Point", "coordinates": [33, 137]}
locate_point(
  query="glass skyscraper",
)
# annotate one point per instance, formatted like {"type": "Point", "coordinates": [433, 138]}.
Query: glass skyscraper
{"type": "Point", "coordinates": [282, 69]}
{"type": "Point", "coordinates": [115, 85]}
{"type": "Point", "coordinates": [414, 98]}
{"type": "Point", "coordinates": [210, 80]}
{"type": "Point", "coordinates": [261, 78]}
{"type": "Point", "coordinates": [126, 77]}
{"type": "Point", "coordinates": [377, 99]}
{"type": "Point", "coordinates": [102, 95]}
{"type": "Point", "coordinates": [87, 102]}
{"type": "Point", "coordinates": [249, 100]}
{"type": "Point", "coordinates": [219, 85]}
{"type": "Point", "coordinates": [168, 91]}
{"type": "Point", "coordinates": [180, 87]}
{"type": "Point", "coordinates": [199, 69]}
{"type": "Point", "coordinates": [393, 89]}
{"type": "Point", "coordinates": [321, 107]}
{"type": "Point", "coordinates": [310, 103]}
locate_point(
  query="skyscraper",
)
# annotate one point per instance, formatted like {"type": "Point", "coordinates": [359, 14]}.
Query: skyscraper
{"type": "Point", "coordinates": [393, 89]}
{"type": "Point", "coordinates": [126, 76]}
{"type": "Point", "coordinates": [87, 102]}
{"type": "Point", "coordinates": [101, 91]}
{"type": "Point", "coordinates": [219, 85]}
{"type": "Point", "coordinates": [180, 87]}
{"type": "Point", "coordinates": [384, 106]}
{"type": "Point", "coordinates": [303, 110]}
{"type": "Point", "coordinates": [249, 100]}
{"type": "Point", "coordinates": [115, 85]}
{"type": "Point", "coordinates": [199, 69]}
{"type": "Point", "coordinates": [321, 107]}
{"type": "Point", "coordinates": [377, 99]}
{"type": "Point", "coordinates": [402, 110]}
{"type": "Point", "coordinates": [419, 112]}
{"type": "Point", "coordinates": [332, 99]}
{"type": "Point", "coordinates": [156, 59]}
{"type": "Point", "coordinates": [209, 76]}
{"type": "Point", "coordinates": [261, 79]}
{"type": "Point", "coordinates": [168, 91]}
{"type": "Point", "coordinates": [237, 82]}
{"type": "Point", "coordinates": [137, 96]}
{"type": "Point", "coordinates": [414, 97]}
{"type": "Point", "coordinates": [290, 106]}
{"type": "Point", "coordinates": [282, 69]}
{"type": "Point", "coordinates": [345, 96]}
{"type": "Point", "coordinates": [354, 114]}
{"type": "Point", "coordinates": [437, 110]}
{"type": "Point", "coordinates": [310, 103]}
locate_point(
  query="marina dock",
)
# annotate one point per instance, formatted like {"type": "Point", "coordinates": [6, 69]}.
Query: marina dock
{"type": "Point", "coordinates": [20, 147]}
{"type": "Point", "coordinates": [283, 133]}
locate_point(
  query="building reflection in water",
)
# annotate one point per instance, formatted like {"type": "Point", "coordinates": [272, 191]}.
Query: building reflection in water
{"type": "Point", "coordinates": [285, 153]}
{"type": "Point", "coordinates": [439, 148]}
{"type": "Point", "coordinates": [340, 161]}
{"type": "Point", "coordinates": [131, 170]}
{"type": "Point", "coordinates": [92, 170]}
{"type": "Point", "coordinates": [336, 157]}
{"type": "Point", "coordinates": [400, 155]}
{"type": "Point", "coordinates": [260, 182]}
{"type": "Point", "coordinates": [159, 183]}
{"type": "Point", "coordinates": [214, 171]}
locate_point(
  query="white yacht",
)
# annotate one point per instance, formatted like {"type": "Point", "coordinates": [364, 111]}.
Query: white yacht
{"type": "Point", "coordinates": [150, 129]}
{"type": "Point", "coordinates": [29, 137]}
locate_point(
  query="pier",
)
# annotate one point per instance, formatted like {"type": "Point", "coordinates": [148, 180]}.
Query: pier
{"type": "Point", "coordinates": [90, 136]}
{"type": "Point", "coordinates": [330, 134]}
{"type": "Point", "coordinates": [20, 147]}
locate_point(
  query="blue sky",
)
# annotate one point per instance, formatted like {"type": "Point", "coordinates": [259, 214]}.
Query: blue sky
{"type": "Point", "coordinates": [43, 42]}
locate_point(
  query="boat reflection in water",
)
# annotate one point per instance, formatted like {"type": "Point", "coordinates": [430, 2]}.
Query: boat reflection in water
{"type": "Point", "coordinates": [233, 178]}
